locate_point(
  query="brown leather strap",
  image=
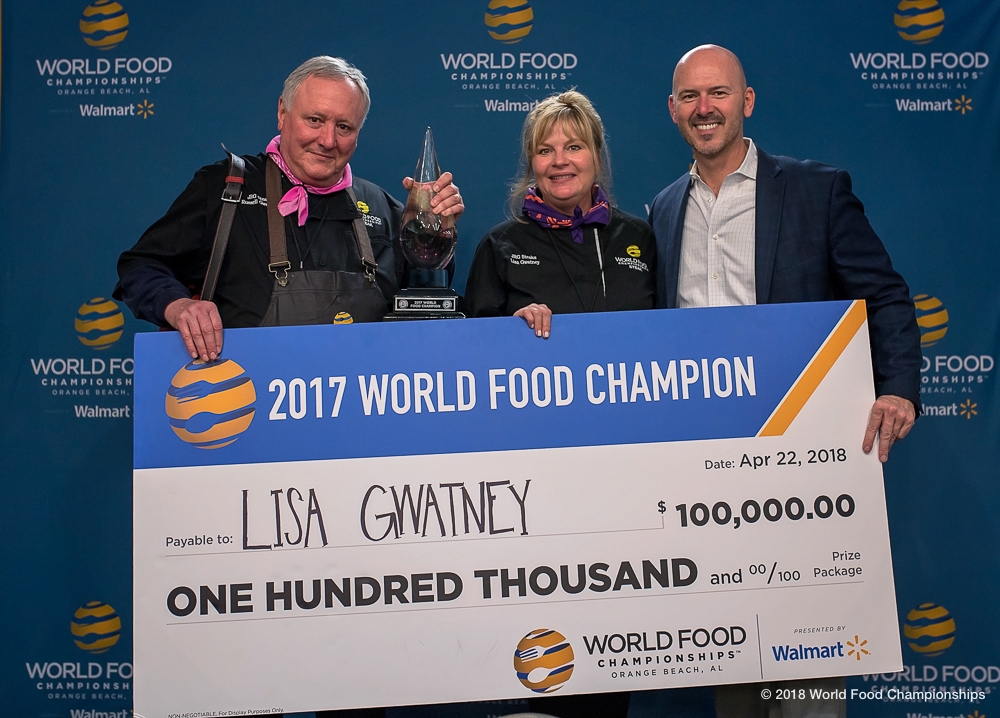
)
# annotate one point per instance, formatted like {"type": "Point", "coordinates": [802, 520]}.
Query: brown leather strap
{"type": "Point", "coordinates": [279, 264]}
{"type": "Point", "coordinates": [364, 243]}
{"type": "Point", "coordinates": [230, 201]}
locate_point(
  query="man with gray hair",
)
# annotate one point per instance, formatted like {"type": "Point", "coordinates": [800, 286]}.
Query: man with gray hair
{"type": "Point", "coordinates": [310, 242]}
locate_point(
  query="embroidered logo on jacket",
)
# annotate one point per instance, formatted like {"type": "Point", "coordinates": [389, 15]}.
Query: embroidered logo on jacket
{"type": "Point", "coordinates": [254, 199]}
{"type": "Point", "coordinates": [632, 263]}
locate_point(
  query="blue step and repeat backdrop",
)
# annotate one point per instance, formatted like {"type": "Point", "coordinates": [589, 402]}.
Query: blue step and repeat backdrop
{"type": "Point", "coordinates": [107, 109]}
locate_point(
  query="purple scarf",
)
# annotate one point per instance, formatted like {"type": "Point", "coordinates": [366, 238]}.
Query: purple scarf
{"type": "Point", "coordinates": [599, 213]}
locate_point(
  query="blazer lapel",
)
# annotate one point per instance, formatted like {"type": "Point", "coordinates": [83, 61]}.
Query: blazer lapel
{"type": "Point", "coordinates": [770, 197]}
{"type": "Point", "coordinates": [678, 207]}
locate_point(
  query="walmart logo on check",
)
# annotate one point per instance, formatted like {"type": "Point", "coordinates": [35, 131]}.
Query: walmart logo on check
{"type": "Point", "coordinates": [805, 653]}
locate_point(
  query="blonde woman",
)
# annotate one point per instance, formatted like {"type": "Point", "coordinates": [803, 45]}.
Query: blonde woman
{"type": "Point", "coordinates": [567, 248]}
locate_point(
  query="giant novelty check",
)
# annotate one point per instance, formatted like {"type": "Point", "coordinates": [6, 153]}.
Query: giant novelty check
{"type": "Point", "coordinates": [361, 515]}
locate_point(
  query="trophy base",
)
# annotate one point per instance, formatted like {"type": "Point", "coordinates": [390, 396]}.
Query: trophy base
{"type": "Point", "coordinates": [424, 303]}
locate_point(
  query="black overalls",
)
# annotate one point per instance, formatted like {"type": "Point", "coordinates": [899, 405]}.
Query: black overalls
{"type": "Point", "coordinates": [316, 296]}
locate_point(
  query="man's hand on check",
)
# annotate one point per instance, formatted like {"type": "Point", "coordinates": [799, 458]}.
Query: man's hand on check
{"type": "Point", "coordinates": [200, 326]}
{"type": "Point", "coordinates": [891, 418]}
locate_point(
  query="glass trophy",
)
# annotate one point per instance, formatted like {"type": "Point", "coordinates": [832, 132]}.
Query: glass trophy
{"type": "Point", "coordinates": [428, 242]}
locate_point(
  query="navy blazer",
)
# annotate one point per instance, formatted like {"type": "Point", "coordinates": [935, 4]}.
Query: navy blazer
{"type": "Point", "coordinates": [813, 243]}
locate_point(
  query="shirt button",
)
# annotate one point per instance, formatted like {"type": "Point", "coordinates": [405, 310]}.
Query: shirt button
{"type": "Point", "coordinates": [710, 200]}
{"type": "Point", "coordinates": [322, 262]}
{"type": "Point", "coordinates": [715, 276]}
{"type": "Point", "coordinates": [715, 236]}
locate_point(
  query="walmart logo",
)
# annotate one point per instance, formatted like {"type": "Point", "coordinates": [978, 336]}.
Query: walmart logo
{"type": "Point", "coordinates": [509, 21]}
{"type": "Point", "coordinates": [210, 405]}
{"type": "Point", "coordinates": [807, 653]}
{"type": "Point", "coordinates": [856, 648]}
{"type": "Point", "coordinates": [919, 21]}
{"type": "Point", "coordinates": [968, 408]}
{"type": "Point", "coordinates": [142, 109]}
{"type": "Point", "coordinates": [104, 24]}
{"type": "Point", "coordinates": [961, 104]}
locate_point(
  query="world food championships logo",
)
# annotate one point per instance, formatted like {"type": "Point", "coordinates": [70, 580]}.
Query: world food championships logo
{"type": "Point", "coordinates": [509, 21]}
{"type": "Point", "coordinates": [543, 661]}
{"type": "Point", "coordinates": [104, 24]}
{"type": "Point", "coordinates": [644, 657]}
{"type": "Point", "coordinates": [111, 77]}
{"type": "Point", "coordinates": [925, 65]}
{"type": "Point", "coordinates": [210, 404]}
{"type": "Point", "coordinates": [919, 21]}
{"type": "Point", "coordinates": [99, 323]}
{"type": "Point", "coordinates": [932, 673]}
{"type": "Point", "coordinates": [95, 628]}
{"type": "Point", "coordinates": [929, 629]}
{"type": "Point", "coordinates": [96, 382]}
{"type": "Point", "coordinates": [508, 64]}
{"type": "Point", "coordinates": [951, 381]}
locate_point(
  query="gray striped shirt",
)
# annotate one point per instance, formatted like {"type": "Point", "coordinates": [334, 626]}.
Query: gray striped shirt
{"type": "Point", "coordinates": [717, 247]}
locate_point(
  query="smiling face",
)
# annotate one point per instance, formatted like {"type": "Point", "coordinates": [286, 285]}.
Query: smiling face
{"type": "Point", "coordinates": [564, 170]}
{"type": "Point", "coordinates": [709, 101]}
{"type": "Point", "coordinates": [319, 132]}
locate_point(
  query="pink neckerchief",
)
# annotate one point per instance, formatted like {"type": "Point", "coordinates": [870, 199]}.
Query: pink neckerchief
{"type": "Point", "coordinates": [297, 198]}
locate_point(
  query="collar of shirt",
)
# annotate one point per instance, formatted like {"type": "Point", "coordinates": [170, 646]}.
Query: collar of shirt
{"type": "Point", "coordinates": [747, 169]}
{"type": "Point", "coordinates": [717, 262]}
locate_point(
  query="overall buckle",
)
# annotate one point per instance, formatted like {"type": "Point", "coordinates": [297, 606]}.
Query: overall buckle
{"type": "Point", "coordinates": [283, 267]}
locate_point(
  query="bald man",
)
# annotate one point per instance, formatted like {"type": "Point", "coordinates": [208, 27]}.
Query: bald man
{"type": "Point", "coordinates": [746, 227]}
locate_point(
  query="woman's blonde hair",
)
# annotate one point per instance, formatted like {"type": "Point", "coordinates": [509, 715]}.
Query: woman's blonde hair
{"type": "Point", "coordinates": [579, 118]}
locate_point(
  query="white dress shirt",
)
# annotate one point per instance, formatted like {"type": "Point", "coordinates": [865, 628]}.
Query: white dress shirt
{"type": "Point", "coordinates": [717, 247]}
